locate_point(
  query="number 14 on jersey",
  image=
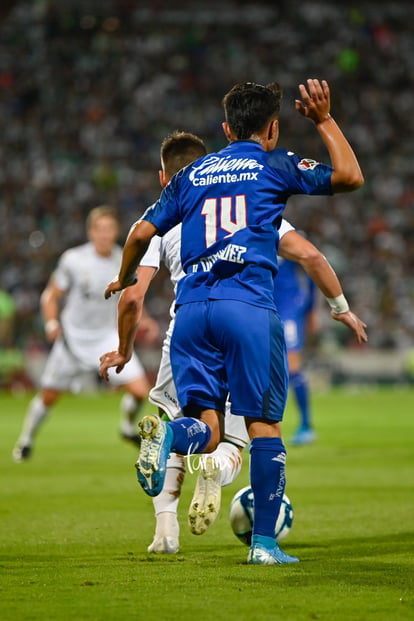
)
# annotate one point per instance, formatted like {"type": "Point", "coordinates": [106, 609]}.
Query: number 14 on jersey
{"type": "Point", "coordinates": [219, 214]}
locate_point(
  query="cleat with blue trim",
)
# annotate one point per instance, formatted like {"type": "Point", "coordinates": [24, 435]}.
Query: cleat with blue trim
{"type": "Point", "coordinates": [206, 500]}
{"type": "Point", "coordinates": [156, 440]}
{"type": "Point", "coordinates": [302, 437]}
{"type": "Point", "coordinates": [260, 554]}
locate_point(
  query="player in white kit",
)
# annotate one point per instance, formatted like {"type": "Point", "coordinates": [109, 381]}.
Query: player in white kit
{"type": "Point", "coordinates": [82, 329]}
{"type": "Point", "coordinates": [222, 466]}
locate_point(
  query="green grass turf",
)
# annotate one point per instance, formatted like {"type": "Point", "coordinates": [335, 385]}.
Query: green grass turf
{"type": "Point", "coordinates": [74, 524]}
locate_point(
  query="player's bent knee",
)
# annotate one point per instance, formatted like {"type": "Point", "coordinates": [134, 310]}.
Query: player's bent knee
{"type": "Point", "coordinates": [259, 428]}
{"type": "Point", "coordinates": [212, 444]}
{"type": "Point", "coordinates": [49, 396]}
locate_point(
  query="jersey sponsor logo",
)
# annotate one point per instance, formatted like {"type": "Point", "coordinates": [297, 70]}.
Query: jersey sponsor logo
{"type": "Point", "coordinates": [227, 178]}
{"type": "Point", "coordinates": [216, 169]}
{"type": "Point", "coordinates": [307, 164]}
{"type": "Point", "coordinates": [232, 253]}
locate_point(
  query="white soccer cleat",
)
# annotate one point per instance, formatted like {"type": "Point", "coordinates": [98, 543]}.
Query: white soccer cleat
{"type": "Point", "coordinates": [164, 545]}
{"type": "Point", "coordinates": [206, 501]}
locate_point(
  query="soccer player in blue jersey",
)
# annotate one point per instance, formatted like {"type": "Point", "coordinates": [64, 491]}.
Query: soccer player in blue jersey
{"type": "Point", "coordinates": [295, 301]}
{"type": "Point", "coordinates": [221, 468]}
{"type": "Point", "coordinates": [228, 338]}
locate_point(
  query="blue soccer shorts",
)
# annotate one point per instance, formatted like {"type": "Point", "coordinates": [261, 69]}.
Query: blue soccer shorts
{"type": "Point", "coordinates": [294, 329]}
{"type": "Point", "coordinates": [226, 346]}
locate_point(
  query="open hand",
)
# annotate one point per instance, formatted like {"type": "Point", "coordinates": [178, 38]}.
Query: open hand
{"type": "Point", "coordinates": [316, 100]}
{"type": "Point", "coordinates": [354, 323]}
{"type": "Point", "coordinates": [116, 285]}
{"type": "Point", "coordinates": [113, 287]}
{"type": "Point", "coordinates": [111, 359]}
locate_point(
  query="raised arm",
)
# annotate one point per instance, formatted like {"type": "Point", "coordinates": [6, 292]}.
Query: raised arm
{"type": "Point", "coordinates": [296, 248]}
{"type": "Point", "coordinates": [315, 105]}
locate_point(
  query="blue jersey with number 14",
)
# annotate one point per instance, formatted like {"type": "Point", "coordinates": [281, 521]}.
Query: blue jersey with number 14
{"type": "Point", "coordinates": [230, 204]}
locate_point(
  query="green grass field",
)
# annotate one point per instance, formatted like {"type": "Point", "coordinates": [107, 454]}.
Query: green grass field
{"type": "Point", "coordinates": [75, 524]}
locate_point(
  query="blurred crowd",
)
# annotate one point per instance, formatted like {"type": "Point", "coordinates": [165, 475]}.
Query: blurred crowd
{"type": "Point", "coordinates": [88, 90]}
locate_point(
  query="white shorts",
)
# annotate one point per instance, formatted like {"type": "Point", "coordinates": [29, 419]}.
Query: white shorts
{"type": "Point", "coordinates": [164, 396]}
{"type": "Point", "coordinates": [63, 368]}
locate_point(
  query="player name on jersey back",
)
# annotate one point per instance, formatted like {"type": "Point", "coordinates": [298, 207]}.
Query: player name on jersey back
{"type": "Point", "coordinates": [232, 253]}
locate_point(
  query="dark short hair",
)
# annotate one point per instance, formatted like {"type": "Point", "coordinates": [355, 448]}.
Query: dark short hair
{"type": "Point", "coordinates": [180, 149]}
{"type": "Point", "coordinates": [249, 106]}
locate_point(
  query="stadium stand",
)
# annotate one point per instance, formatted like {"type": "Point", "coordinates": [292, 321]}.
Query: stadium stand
{"type": "Point", "coordinates": [89, 89]}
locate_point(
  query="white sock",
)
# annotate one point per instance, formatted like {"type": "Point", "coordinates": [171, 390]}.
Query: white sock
{"type": "Point", "coordinates": [229, 458]}
{"type": "Point", "coordinates": [35, 415]}
{"type": "Point", "coordinates": [130, 408]}
{"type": "Point", "coordinates": [166, 503]}
{"type": "Point", "coordinates": [167, 525]}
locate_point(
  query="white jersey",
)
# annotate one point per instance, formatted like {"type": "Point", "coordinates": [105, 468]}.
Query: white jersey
{"type": "Point", "coordinates": [166, 249]}
{"type": "Point", "coordinates": [87, 318]}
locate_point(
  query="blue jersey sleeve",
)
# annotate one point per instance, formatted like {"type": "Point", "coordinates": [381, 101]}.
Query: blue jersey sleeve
{"type": "Point", "coordinates": [166, 212]}
{"type": "Point", "coordinates": [302, 175]}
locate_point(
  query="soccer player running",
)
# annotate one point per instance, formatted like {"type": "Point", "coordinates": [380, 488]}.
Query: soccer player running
{"type": "Point", "coordinates": [223, 465]}
{"type": "Point", "coordinates": [228, 338]}
{"type": "Point", "coordinates": [79, 332]}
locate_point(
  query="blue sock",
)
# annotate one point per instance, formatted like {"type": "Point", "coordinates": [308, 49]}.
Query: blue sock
{"type": "Point", "coordinates": [267, 478]}
{"type": "Point", "coordinates": [300, 387]}
{"type": "Point", "coordinates": [190, 435]}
